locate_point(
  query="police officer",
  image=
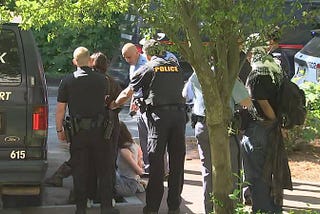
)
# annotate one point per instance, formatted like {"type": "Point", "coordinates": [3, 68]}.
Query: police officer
{"type": "Point", "coordinates": [83, 92]}
{"type": "Point", "coordinates": [161, 82]}
{"type": "Point", "coordinates": [239, 96]}
{"type": "Point", "coordinates": [136, 60]}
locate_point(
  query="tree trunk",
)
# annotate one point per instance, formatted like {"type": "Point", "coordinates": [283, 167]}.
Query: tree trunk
{"type": "Point", "coordinates": [217, 116]}
{"type": "Point", "coordinates": [221, 168]}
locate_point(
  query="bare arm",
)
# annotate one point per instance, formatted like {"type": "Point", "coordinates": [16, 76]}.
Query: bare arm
{"type": "Point", "coordinates": [60, 112]}
{"type": "Point", "coordinates": [267, 109]}
{"type": "Point", "coordinates": [140, 157]}
{"type": "Point", "coordinates": [246, 102]}
{"type": "Point", "coordinates": [122, 98]}
{"type": "Point", "coordinates": [127, 155]}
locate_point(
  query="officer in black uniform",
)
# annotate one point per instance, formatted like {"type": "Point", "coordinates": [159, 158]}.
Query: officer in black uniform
{"type": "Point", "coordinates": [162, 83]}
{"type": "Point", "coordinates": [83, 92]}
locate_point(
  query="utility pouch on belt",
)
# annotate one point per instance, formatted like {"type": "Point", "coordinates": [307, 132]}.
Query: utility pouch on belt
{"type": "Point", "coordinates": [193, 120]}
{"type": "Point", "coordinates": [108, 126]}
{"type": "Point", "coordinates": [141, 104]}
{"type": "Point", "coordinates": [68, 129]}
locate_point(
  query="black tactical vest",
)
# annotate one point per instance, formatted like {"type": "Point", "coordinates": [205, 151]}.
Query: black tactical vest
{"type": "Point", "coordinates": [166, 85]}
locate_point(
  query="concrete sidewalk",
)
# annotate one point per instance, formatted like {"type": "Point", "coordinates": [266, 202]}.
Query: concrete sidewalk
{"type": "Point", "coordinates": [304, 198]}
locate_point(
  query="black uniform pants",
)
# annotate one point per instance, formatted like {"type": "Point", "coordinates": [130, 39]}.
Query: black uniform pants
{"type": "Point", "coordinates": [93, 192]}
{"type": "Point", "coordinates": [90, 150]}
{"type": "Point", "coordinates": [166, 128]}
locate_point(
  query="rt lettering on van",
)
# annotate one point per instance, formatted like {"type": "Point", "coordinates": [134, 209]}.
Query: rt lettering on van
{"type": "Point", "coordinates": [5, 95]}
{"type": "Point", "coordinates": [2, 58]}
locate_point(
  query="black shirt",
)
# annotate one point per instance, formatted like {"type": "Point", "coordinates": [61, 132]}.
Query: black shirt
{"type": "Point", "coordinates": [262, 88]}
{"type": "Point", "coordinates": [161, 82]}
{"type": "Point", "coordinates": [84, 92]}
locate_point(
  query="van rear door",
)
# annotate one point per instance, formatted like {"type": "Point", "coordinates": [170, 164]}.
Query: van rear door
{"type": "Point", "coordinates": [13, 96]}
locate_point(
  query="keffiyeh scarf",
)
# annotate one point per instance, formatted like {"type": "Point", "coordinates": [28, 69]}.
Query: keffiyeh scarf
{"type": "Point", "coordinates": [264, 64]}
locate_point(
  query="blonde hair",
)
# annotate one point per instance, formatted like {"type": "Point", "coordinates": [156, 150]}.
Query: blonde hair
{"type": "Point", "coordinates": [82, 56]}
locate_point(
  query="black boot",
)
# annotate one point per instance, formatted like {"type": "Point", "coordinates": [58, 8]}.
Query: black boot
{"type": "Point", "coordinates": [56, 179]}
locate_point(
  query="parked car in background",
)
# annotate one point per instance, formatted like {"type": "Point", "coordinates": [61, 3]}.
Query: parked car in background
{"type": "Point", "coordinates": [294, 38]}
{"type": "Point", "coordinates": [307, 61]}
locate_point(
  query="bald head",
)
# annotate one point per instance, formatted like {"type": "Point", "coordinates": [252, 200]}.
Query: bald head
{"type": "Point", "coordinates": [130, 53]}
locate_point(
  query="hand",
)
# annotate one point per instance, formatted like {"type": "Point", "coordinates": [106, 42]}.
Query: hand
{"type": "Point", "coordinates": [285, 133]}
{"type": "Point", "coordinates": [113, 105]}
{"type": "Point", "coordinates": [62, 136]}
{"type": "Point", "coordinates": [107, 99]}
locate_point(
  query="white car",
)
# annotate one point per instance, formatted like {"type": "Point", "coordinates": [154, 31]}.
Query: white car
{"type": "Point", "coordinates": [307, 61]}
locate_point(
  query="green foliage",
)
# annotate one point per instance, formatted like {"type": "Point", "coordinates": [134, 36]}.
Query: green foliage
{"type": "Point", "coordinates": [310, 130]}
{"type": "Point", "coordinates": [5, 15]}
{"type": "Point", "coordinates": [75, 14]}
{"type": "Point", "coordinates": [57, 43]}
{"type": "Point", "coordinates": [237, 194]}
{"type": "Point", "coordinates": [60, 26]}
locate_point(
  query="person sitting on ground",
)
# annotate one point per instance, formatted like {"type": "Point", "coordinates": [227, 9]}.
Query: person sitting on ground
{"type": "Point", "coordinates": [130, 165]}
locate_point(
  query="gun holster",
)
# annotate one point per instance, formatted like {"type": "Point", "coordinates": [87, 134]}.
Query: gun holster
{"type": "Point", "coordinates": [141, 104]}
{"type": "Point", "coordinates": [108, 125]}
{"type": "Point", "coordinates": [68, 128]}
{"type": "Point", "coordinates": [193, 120]}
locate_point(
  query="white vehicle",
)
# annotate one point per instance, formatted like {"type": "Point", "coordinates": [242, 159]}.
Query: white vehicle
{"type": "Point", "coordinates": [307, 61]}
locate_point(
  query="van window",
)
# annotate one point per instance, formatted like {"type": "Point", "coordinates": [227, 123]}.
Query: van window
{"type": "Point", "coordinates": [10, 64]}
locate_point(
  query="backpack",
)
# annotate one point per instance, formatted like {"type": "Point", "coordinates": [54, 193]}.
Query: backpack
{"type": "Point", "coordinates": [291, 105]}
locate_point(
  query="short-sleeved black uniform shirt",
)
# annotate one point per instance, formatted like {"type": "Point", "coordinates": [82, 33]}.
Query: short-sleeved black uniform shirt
{"type": "Point", "coordinates": [161, 82]}
{"type": "Point", "coordinates": [142, 79]}
{"type": "Point", "coordinates": [262, 88]}
{"type": "Point", "coordinates": [85, 94]}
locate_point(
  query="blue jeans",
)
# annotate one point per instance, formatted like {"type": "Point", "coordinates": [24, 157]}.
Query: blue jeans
{"type": "Point", "coordinates": [254, 146]}
{"type": "Point", "coordinates": [201, 133]}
